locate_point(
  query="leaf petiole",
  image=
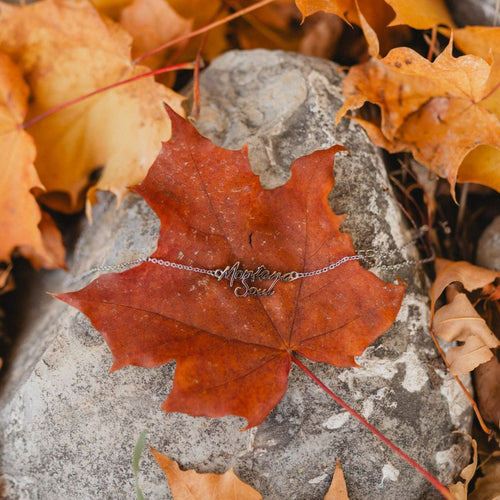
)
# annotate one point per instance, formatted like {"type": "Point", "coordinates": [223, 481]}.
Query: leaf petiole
{"type": "Point", "coordinates": [159, 71]}
{"type": "Point", "coordinates": [440, 487]}
{"type": "Point", "coordinates": [204, 29]}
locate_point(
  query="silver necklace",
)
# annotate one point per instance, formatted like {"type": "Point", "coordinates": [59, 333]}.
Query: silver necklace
{"type": "Point", "coordinates": [244, 281]}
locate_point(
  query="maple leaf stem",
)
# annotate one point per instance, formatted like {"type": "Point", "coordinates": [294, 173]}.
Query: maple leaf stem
{"type": "Point", "coordinates": [204, 29]}
{"type": "Point", "coordinates": [440, 487]}
{"type": "Point", "coordinates": [66, 104]}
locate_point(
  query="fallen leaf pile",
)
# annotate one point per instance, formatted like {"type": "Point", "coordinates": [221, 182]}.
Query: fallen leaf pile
{"type": "Point", "coordinates": [233, 356]}
{"type": "Point", "coordinates": [83, 88]}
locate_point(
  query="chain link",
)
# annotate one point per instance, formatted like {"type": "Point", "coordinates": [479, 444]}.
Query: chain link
{"type": "Point", "coordinates": [183, 267]}
{"type": "Point", "coordinates": [297, 276]}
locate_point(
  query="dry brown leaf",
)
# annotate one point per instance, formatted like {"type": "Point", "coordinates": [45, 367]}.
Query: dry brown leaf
{"type": "Point", "coordinates": [153, 23]}
{"type": "Point", "coordinates": [20, 215]}
{"type": "Point", "coordinates": [459, 321]}
{"type": "Point", "coordinates": [67, 49]}
{"type": "Point", "coordinates": [338, 488]}
{"type": "Point", "coordinates": [427, 108]}
{"type": "Point", "coordinates": [487, 487]}
{"type": "Point", "coordinates": [459, 489]}
{"type": "Point", "coordinates": [190, 485]}
{"type": "Point", "coordinates": [472, 277]}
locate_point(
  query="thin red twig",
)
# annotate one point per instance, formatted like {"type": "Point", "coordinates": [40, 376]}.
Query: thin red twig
{"type": "Point", "coordinates": [439, 487]}
{"type": "Point", "coordinates": [204, 29]}
{"type": "Point", "coordinates": [432, 44]}
{"type": "Point", "coordinates": [103, 89]}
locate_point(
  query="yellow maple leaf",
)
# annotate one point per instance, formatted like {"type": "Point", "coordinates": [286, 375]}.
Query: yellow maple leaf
{"type": "Point", "coordinates": [67, 49]}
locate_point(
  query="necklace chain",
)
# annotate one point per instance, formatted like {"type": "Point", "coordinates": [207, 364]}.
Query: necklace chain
{"type": "Point", "coordinates": [246, 277]}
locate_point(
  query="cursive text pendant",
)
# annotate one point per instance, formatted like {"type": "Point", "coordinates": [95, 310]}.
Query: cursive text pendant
{"type": "Point", "coordinates": [245, 278]}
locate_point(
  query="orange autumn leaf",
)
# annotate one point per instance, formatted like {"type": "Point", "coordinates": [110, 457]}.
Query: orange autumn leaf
{"type": "Point", "coordinates": [67, 50]}
{"type": "Point", "coordinates": [191, 485]}
{"type": "Point", "coordinates": [234, 353]}
{"type": "Point", "coordinates": [20, 215]}
{"type": "Point", "coordinates": [426, 108]}
{"type": "Point", "coordinates": [338, 488]}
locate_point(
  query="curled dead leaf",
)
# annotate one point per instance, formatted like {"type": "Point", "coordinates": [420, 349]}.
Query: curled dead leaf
{"type": "Point", "coordinates": [487, 383]}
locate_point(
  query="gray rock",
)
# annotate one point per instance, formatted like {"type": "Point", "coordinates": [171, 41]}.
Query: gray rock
{"type": "Point", "coordinates": [488, 248]}
{"type": "Point", "coordinates": [473, 12]}
{"type": "Point", "coordinates": [68, 427]}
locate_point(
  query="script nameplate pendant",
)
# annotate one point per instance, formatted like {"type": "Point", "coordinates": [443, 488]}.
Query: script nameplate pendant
{"type": "Point", "coordinates": [245, 280]}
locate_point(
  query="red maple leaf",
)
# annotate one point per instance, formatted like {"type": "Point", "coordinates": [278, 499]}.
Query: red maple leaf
{"type": "Point", "coordinates": [233, 354]}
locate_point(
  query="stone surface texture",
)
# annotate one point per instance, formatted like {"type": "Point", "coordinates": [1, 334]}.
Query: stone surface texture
{"type": "Point", "coordinates": [473, 12]}
{"type": "Point", "coordinates": [68, 427]}
{"type": "Point", "coordinates": [488, 248]}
